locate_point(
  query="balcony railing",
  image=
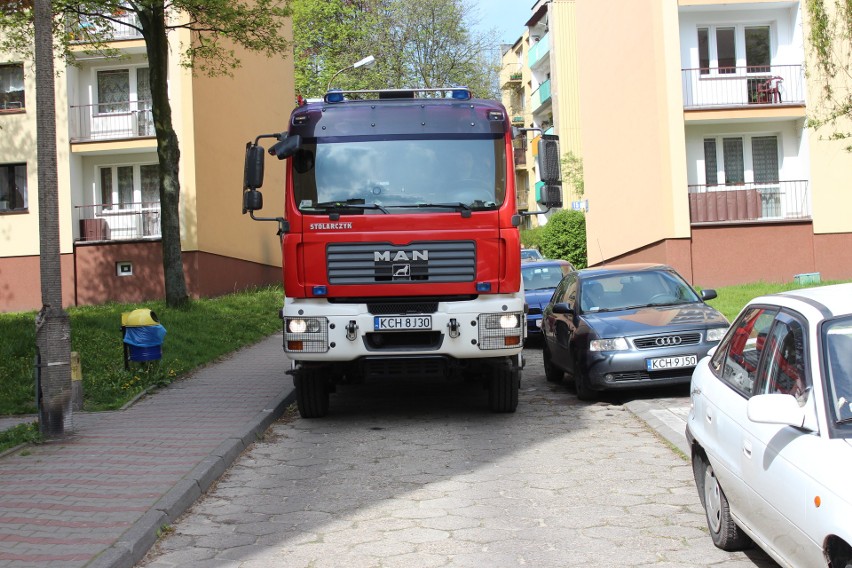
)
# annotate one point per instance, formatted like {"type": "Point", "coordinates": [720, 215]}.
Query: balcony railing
{"type": "Point", "coordinates": [540, 95]}
{"type": "Point", "coordinates": [116, 222]}
{"type": "Point", "coordinates": [110, 121]}
{"type": "Point", "coordinates": [778, 201]}
{"type": "Point", "coordinates": [121, 26]}
{"type": "Point", "coordinates": [774, 85]}
{"type": "Point", "coordinates": [520, 157]}
{"type": "Point", "coordinates": [538, 50]}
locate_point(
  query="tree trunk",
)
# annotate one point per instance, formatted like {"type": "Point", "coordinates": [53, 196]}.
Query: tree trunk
{"type": "Point", "coordinates": [152, 20]}
{"type": "Point", "coordinates": [53, 328]}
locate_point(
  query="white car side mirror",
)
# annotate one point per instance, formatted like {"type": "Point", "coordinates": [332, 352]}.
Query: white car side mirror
{"type": "Point", "coordinates": [776, 409]}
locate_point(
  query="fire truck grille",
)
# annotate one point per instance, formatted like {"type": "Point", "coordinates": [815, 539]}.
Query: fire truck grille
{"type": "Point", "coordinates": [419, 262]}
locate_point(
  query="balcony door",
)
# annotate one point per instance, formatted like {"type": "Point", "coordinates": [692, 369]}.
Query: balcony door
{"type": "Point", "coordinates": [130, 199]}
{"type": "Point", "coordinates": [744, 172]}
{"type": "Point", "coordinates": [123, 108]}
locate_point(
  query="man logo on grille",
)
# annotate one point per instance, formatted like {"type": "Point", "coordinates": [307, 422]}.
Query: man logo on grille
{"type": "Point", "coordinates": [402, 272]}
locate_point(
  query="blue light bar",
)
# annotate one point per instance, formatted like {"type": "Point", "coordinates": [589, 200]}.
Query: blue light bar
{"type": "Point", "coordinates": [334, 96]}
{"type": "Point", "coordinates": [461, 94]}
{"type": "Point", "coordinates": [483, 286]}
{"type": "Point", "coordinates": [319, 290]}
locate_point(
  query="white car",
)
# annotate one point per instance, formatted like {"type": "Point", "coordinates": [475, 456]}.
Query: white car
{"type": "Point", "coordinates": [771, 429]}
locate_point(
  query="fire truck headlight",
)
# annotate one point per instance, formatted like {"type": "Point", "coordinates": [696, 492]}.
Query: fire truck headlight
{"type": "Point", "coordinates": [501, 330]}
{"type": "Point", "coordinates": [306, 335]}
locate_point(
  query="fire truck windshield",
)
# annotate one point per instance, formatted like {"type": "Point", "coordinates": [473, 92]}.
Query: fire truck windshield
{"type": "Point", "coordinates": [371, 175]}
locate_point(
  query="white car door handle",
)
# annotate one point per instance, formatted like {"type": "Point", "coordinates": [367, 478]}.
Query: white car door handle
{"type": "Point", "coordinates": [747, 449]}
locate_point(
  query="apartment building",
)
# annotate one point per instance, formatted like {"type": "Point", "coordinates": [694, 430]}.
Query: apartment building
{"type": "Point", "coordinates": [695, 143]}
{"type": "Point", "coordinates": [110, 240]}
{"type": "Point", "coordinates": [538, 80]}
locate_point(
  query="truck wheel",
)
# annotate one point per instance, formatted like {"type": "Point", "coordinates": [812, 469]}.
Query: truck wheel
{"type": "Point", "coordinates": [311, 393]}
{"type": "Point", "coordinates": [503, 391]}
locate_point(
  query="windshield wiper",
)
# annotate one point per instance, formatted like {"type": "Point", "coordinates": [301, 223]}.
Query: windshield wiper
{"type": "Point", "coordinates": [457, 205]}
{"type": "Point", "coordinates": [347, 204]}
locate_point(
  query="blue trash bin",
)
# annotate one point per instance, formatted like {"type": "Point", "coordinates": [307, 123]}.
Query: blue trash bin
{"type": "Point", "coordinates": [143, 336]}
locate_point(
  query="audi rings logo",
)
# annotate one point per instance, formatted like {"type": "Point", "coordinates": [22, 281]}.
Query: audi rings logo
{"type": "Point", "coordinates": [668, 341]}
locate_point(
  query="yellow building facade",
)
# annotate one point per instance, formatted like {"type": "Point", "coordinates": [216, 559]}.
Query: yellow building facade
{"type": "Point", "coordinates": [108, 187]}
{"type": "Point", "coordinates": [691, 122]}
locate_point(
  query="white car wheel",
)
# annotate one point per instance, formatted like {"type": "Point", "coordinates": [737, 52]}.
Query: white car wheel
{"type": "Point", "coordinates": [724, 532]}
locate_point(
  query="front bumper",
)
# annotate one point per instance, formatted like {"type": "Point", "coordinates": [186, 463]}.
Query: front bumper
{"type": "Point", "coordinates": [628, 369]}
{"type": "Point", "coordinates": [340, 332]}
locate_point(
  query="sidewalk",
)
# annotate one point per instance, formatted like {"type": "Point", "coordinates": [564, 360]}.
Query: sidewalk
{"type": "Point", "coordinates": [99, 497]}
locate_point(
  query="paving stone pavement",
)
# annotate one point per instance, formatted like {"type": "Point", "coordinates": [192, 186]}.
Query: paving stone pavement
{"type": "Point", "coordinates": [99, 497]}
{"type": "Point", "coordinates": [419, 475]}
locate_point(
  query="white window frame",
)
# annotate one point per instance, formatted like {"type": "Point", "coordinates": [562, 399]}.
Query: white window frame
{"type": "Point", "coordinates": [748, 158]}
{"type": "Point", "coordinates": [137, 184]}
{"type": "Point", "coordinates": [739, 47]}
{"type": "Point", "coordinates": [133, 94]}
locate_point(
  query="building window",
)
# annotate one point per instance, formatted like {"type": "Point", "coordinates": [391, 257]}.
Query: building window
{"type": "Point", "coordinates": [12, 87]}
{"type": "Point", "coordinates": [113, 91]}
{"type": "Point", "coordinates": [127, 186]}
{"type": "Point", "coordinates": [732, 151]}
{"type": "Point", "coordinates": [758, 57]}
{"type": "Point", "coordinates": [737, 166]}
{"type": "Point", "coordinates": [724, 49]}
{"type": "Point", "coordinates": [13, 187]}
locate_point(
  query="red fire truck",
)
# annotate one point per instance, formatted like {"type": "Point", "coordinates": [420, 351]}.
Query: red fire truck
{"type": "Point", "coordinates": [400, 240]}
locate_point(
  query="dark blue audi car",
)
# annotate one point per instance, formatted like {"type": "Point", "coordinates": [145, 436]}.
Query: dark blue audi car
{"type": "Point", "coordinates": [626, 326]}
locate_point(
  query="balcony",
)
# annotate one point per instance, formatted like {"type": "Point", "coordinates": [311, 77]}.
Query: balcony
{"type": "Point", "coordinates": [111, 121]}
{"type": "Point", "coordinates": [538, 51]}
{"type": "Point", "coordinates": [520, 155]}
{"type": "Point", "coordinates": [120, 26]}
{"type": "Point", "coordinates": [755, 202]}
{"type": "Point", "coordinates": [114, 222]}
{"type": "Point", "coordinates": [540, 96]}
{"type": "Point", "coordinates": [743, 87]}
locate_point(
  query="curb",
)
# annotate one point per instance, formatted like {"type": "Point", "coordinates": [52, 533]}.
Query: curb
{"type": "Point", "coordinates": [132, 546]}
{"type": "Point", "coordinates": [653, 415]}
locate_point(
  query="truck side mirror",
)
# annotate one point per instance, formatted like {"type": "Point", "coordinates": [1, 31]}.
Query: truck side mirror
{"type": "Point", "coordinates": [253, 171]}
{"type": "Point", "coordinates": [549, 165]}
{"type": "Point", "coordinates": [286, 147]}
{"type": "Point", "coordinates": [252, 200]}
{"type": "Point", "coordinates": [550, 195]}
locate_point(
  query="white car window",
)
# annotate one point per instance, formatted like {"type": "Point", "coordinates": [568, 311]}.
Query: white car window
{"type": "Point", "coordinates": [839, 350]}
{"type": "Point", "coordinates": [736, 360]}
{"type": "Point", "coordinates": [784, 370]}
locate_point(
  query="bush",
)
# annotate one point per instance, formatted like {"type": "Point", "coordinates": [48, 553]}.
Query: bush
{"type": "Point", "coordinates": [531, 238]}
{"type": "Point", "coordinates": [564, 237]}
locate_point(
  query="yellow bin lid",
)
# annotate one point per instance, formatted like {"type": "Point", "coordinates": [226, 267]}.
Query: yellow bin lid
{"type": "Point", "coordinates": [139, 318]}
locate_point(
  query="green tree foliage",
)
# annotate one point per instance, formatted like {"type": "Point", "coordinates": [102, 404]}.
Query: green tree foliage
{"type": "Point", "coordinates": [830, 44]}
{"type": "Point", "coordinates": [217, 27]}
{"type": "Point", "coordinates": [564, 237]}
{"type": "Point", "coordinates": [416, 44]}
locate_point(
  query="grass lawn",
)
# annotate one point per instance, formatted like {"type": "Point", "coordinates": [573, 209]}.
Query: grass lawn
{"type": "Point", "coordinates": [206, 330]}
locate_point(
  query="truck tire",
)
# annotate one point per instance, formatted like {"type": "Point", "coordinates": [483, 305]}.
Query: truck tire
{"type": "Point", "coordinates": [503, 391]}
{"type": "Point", "coordinates": [311, 393]}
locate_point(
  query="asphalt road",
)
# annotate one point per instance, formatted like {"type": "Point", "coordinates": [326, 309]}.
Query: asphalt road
{"type": "Point", "coordinates": [419, 474]}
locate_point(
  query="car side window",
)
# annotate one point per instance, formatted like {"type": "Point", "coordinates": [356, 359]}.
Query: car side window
{"type": "Point", "coordinates": [737, 357]}
{"type": "Point", "coordinates": [784, 370]}
{"type": "Point", "coordinates": [565, 291]}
